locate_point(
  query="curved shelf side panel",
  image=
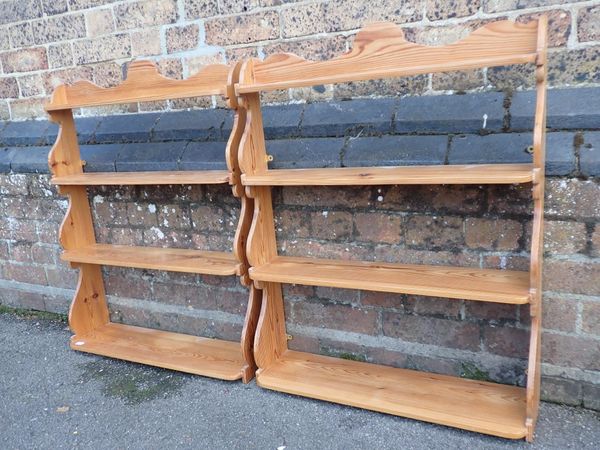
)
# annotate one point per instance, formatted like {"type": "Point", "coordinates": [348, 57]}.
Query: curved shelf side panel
{"type": "Point", "coordinates": [88, 310]}
{"type": "Point", "coordinates": [380, 50]}
{"type": "Point", "coordinates": [143, 84]}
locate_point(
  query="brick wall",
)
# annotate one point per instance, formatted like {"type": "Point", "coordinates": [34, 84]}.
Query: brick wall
{"type": "Point", "coordinates": [481, 226]}
{"type": "Point", "coordinates": [46, 42]}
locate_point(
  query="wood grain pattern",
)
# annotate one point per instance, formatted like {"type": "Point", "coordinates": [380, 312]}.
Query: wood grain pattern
{"type": "Point", "coordinates": [143, 84]}
{"type": "Point", "coordinates": [473, 405]}
{"type": "Point", "coordinates": [156, 258]}
{"type": "Point", "coordinates": [142, 178]}
{"type": "Point", "coordinates": [197, 355]}
{"type": "Point", "coordinates": [380, 51]}
{"type": "Point", "coordinates": [348, 176]}
{"type": "Point", "coordinates": [537, 235]}
{"type": "Point", "coordinates": [501, 286]}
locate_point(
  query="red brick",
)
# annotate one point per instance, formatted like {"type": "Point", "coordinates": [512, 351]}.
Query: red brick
{"type": "Point", "coordinates": [510, 199]}
{"type": "Point", "coordinates": [558, 313]}
{"type": "Point", "coordinates": [447, 333]}
{"type": "Point", "coordinates": [60, 28]}
{"type": "Point", "coordinates": [312, 49]}
{"type": "Point", "coordinates": [28, 108]}
{"type": "Point", "coordinates": [434, 231]}
{"type": "Point", "coordinates": [31, 85]}
{"type": "Point", "coordinates": [433, 306]}
{"type": "Point", "coordinates": [43, 254]}
{"type": "Point", "coordinates": [573, 277]}
{"type": "Point", "coordinates": [261, 26]}
{"type": "Point", "coordinates": [25, 273]}
{"type": "Point", "coordinates": [118, 283]}
{"type": "Point", "coordinates": [382, 299]}
{"type": "Point", "coordinates": [62, 277]}
{"type": "Point", "coordinates": [490, 311]}
{"type": "Point", "coordinates": [22, 299]}
{"type": "Point", "coordinates": [303, 343]}
{"type": "Point", "coordinates": [60, 55]}
{"type": "Point", "coordinates": [100, 21]}
{"type": "Point", "coordinates": [330, 250]}
{"type": "Point", "coordinates": [18, 230]}
{"type": "Point", "coordinates": [507, 341]}
{"type": "Point", "coordinates": [588, 24]}
{"type": "Point", "coordinates": [571, 351]}
{"type": "Point", "coordinates": [591, 318]}
{"type": "Point", "coordinates": [110, 213]}
{"type": "Point", "coordinates": [293, 223]}
{"type": "Point", "coordinates": [340, 317]}
{"type": "Point", "coordinates": [21, 251]}
{"type": "Point", "coordinates": [304, 19]}
{"type": "Point", "coordinates": [104, 48]}
{"type": "Point", "coordinates": [596, 241]}
{"type": "Point", "coordinates": [145, 42]}
{"type": "Point", "coordinates": [188, 295]}
{"type": "Point", "coordinates": [433, 365]}
{"type": "Point", "coordinates": [331, 225]}
{"type": "Point", "coordinates": [199, 9]}
{"type": "Point", "coordinates": [47, 232]}
{"type": "Point", "coordinates": [326, 196]}
{"type": "Point", "coordinates": [493, 234]}
{"type": "Point", "coordinates": [57, 77]}
{"type": "Point", "coordinates": [210, 218]}
{"type": "Point", "coordinates": [338, 295]}
{"type": "Point", "coordinates": [127, 236]}
{"type": "Point", "coordinates": [561, 237]}
{"type": "Point", "coordinates": [572, 198]}
{"type": "Point", "coordinates": [25, 60]}
{"type": "Point", "coordinates": [377, 227]}
{"type": "Point", "coordinates": [142, 214]}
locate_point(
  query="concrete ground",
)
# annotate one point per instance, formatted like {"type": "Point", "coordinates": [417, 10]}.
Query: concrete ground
{"type": "Point", "coordinates": [53, 398]}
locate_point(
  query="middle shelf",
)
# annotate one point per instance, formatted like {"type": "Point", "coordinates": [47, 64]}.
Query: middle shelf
{"type": "Point", "coordinates": [156, 258]}
{"type": "Point", "coordinates": [500, 286]}
{"type": "Point", "coordinates": [439, 174]}
{"type": "Point", "coordinates": [143, 178]}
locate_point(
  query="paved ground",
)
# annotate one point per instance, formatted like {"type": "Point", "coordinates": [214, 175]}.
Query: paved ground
{"type": "Point", "coordinates": [54, 398]}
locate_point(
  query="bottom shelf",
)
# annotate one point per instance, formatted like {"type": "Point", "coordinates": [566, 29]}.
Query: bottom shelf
{"type": "Point", "coordinates": [483, 407]}
{"type": "Point", "coordinates": [183, 352]}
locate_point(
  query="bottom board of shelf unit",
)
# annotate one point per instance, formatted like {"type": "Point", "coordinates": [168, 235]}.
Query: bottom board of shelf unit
{"type": "Point", "coordinates": [183, 352]}
{"type": "Point", "coordinates": [479, 406]}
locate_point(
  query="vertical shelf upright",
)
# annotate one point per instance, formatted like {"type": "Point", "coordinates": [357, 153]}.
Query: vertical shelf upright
{"type": "Point", "coordinates": [88, 314]}
{"type": "Point", "coordinates": [380, 51]}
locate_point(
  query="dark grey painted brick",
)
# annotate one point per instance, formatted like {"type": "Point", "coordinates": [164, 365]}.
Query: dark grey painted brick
{"type": "Point", "coordinates": [203, 156]}
{"type": "Point", "coordinates": [149, 156]}
{"type": "Point", "coordinates": [567, 109]}
{"type": "Point", "coordinates": [494, 148]}
{"type": "Point", "coordinates": [349, 118]}
{"type": "Point", "coordinates": [30, 159]}
{"type": "Point", "coordinates": [203, 124]}
{"type": "Point", "coordinates": [6, 155]}
{"type": "Point", "coordinates": [450, 113]}
{"type": "Point", "coordinates": [395, 150]}
{"type": "Point", "coordinates": [126, 128]}
{"type": "Point", "coordinates": [101, 157]}
{"type": "Point", "coordinates": [227, 124]}
{"type": "Point", "coordinates": [589, 154]}
{"type": "Point", "coordinates": [86, 127]}
{"type": "Point", "coordinates": [305, 153]}
{"type": "Point", "coordinates": [282, 121]}
{"type": "Point", "coordinates": [50, 135]}
{"type": "Point", "coordinates": [560, 153]}
{"type": "Point", "coordinates": [28, 132]}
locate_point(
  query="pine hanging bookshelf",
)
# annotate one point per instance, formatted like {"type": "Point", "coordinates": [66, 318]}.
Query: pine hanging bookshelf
{"type": "Point", "coordinates": [88, 314]}
{"type": "Point", "coordinates": [381, 51]}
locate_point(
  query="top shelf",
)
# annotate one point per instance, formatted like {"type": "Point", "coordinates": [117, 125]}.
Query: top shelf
{"type": "Point", "coordinates": [454, 174]}
{"type": "Point", "coordinates": [143, 178]}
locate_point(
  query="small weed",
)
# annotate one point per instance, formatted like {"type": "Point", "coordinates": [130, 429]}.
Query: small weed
{"type": "Point", "coordinates": [473, 372]}
{"type": "Point", "coordinates": [33, 314]}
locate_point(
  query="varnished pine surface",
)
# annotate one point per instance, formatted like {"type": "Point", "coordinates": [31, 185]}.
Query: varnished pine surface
{"type": "Point", "coordinates": [440, 174]}
{"type": "Point", "coordinates": [500, 286]}
{"type": "Point", "coordinates": [473, 405]}
{"type": "Point", "coordinates": [185, 353]}
{"type": "Point", "coordinates": [143, 178]}
{"type": "Point", "coordinates": [381, 51]}
{"type": "Point", "coordinates": [156, 258]}
{"type": "Point", "coordinates": [143, 84]}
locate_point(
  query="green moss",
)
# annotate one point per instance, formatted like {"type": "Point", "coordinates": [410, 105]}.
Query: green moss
{"type": "Point", "coordinates": [471, 371]}
{"type": "Point", "coordinates": [33, 314]}
{"type": "Point", "coordinates": [133, 383]}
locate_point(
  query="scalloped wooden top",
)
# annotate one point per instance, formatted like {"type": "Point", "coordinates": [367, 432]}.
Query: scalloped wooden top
{"type": "Point", "coordinates": [380, 51]}
{"type": "Point", "coordinates": [143, 84]}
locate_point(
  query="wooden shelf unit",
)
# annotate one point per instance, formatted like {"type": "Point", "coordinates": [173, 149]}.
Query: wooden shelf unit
{"type": "Point", "coordinates": [88, 314]}
{"type": "Point", "coordinates": [380, 51]}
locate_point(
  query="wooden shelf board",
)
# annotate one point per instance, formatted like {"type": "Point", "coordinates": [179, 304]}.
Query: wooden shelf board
{"type": "Point", "coordinates": [440, 174]}
{"type": "Point", "coordinates": [156, 258]}
{"type": "Point", "coordinates": [182, 352]}
{"type": "Point", "coordinates": [473, 405]}
{"type": "Point", "coordinates": [143, 178]}
{"type": "Point", "coordinates": [500, 286]}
